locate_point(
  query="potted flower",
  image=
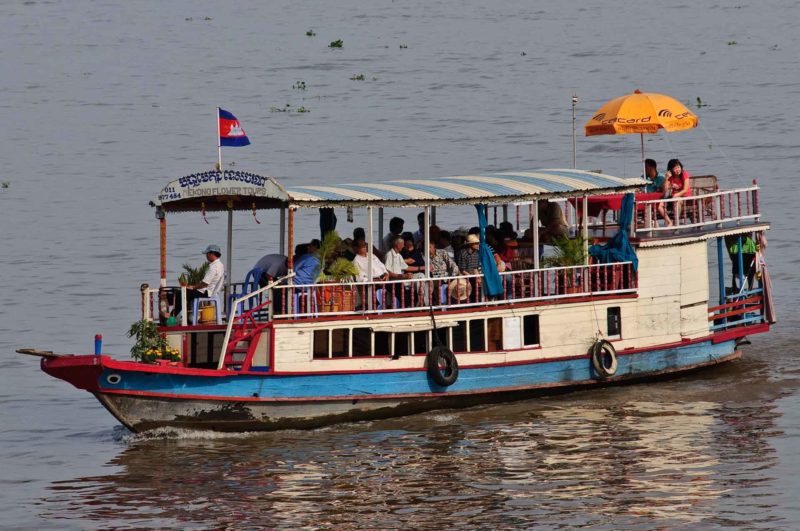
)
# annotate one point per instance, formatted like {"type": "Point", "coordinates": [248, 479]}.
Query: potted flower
{"type": "Point", "coordinates": [337, 271]}
{"type": "Point", "coordinates": [150, 346]}
{"type": "Point", "coordinates": [568, 252]}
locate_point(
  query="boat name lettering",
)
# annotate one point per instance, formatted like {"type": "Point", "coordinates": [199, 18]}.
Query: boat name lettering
{"type": "Point", "coordinates": [226, 190]}
{"type": "Point", "coordinates": [193, 181]}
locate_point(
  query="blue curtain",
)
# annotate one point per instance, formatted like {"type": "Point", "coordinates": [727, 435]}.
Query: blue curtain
{"type": "Point", "coordinates": [618, 248]}
{"type": "Point", "coordinates": [492, 283]}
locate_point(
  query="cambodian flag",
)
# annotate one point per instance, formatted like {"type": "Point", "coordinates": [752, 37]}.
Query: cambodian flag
{"type": "Point", "coordinates": [231, 133]}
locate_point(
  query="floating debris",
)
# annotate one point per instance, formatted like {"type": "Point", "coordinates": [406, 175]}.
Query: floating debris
{"type": "Point", "coordinates": [403, 46]}
{"type": "Point", "coordinates": [336, 44]}
{"type": "Point", "coordinates": [523, 54]}
{"type": "Point", "coordinates": [732, 43]}
{"type": "Point", "coordinates": [4, 184]}
{"type": "Point", "coordinates": [299, 85]}
{"type": "Point", "coordinates": [357, 77]}
{"type": "Point", "coordinates": [311, 33]}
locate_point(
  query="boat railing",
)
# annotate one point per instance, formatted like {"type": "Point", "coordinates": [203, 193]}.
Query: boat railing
{"type": "Point", "coordinates": [705, 210]}
{"type": "Point", "coordinates": [450, 293]}
{"type": "Point", "coordinates": [739, 309]}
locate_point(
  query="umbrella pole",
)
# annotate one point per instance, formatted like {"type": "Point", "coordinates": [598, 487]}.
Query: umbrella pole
{"type": "Point", "coordinates": [644, 172]}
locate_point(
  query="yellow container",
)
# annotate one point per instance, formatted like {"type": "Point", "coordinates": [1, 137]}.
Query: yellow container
{"type": "Point", "coordinates": [208, 314]}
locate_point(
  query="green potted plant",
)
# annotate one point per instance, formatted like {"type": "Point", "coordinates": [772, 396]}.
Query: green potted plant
{"type": "Point", "coordinates": [150, 346]}
{"type": "Point", "coordinates": [568, 252]}
{"type": "Point", "coordinates": [336, 270]}
{"type": "Point", "coordinates": [193, 275]}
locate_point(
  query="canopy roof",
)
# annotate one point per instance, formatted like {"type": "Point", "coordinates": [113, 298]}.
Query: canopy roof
{"type": "Point", "coordinates": [214, 190]}
{"type": "Point", "coordinates": [465, 189]}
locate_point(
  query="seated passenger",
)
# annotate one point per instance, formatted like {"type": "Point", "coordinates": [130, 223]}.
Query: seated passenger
{"type": "Point", "coordinates": [469, 258]}
{"type": "Point", "coordinates": [395, 230]}
{"type": "Point", "coordinates": [306, 267]}
{"type": "Point", "coordinates": [412, 255]}
{"type": "Point", "coordinates": [552, 221]}
{"type": "Point", "coordinates": [360, 234]}
{"type": "Point", "coordinates": [444, 243]}
{"type": "Point", "coordinates": [678, 185]}
{"type": "Point", "coordinates": [213, 282]}
{"type": "Point", "coordinates": [361, 261]}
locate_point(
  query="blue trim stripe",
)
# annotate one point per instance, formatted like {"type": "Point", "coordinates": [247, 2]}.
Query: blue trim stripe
{"type": "Point", "coordinates": [491, 188]}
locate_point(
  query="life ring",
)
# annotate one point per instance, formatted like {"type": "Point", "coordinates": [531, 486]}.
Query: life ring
{"type": "Point", "coordinates": [604, 358]}
{"type": "Point", "coordinates": [442, 366]}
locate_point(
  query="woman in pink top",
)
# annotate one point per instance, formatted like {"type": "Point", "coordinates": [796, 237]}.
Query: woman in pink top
{"type": "Point", "coordinates": [678, 184]}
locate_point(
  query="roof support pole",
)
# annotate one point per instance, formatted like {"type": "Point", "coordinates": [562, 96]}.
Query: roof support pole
{"type": "Point", "coordinates": [585, 234]}
{"type": "Point", "coordinates": [230, 250]}
{"type": "Point", "coordinates": [380, 227]}
{"type": "Point", "coordinates": [720, 271]}
{"type": "Point", "coordinates": [433, 215]}
{"type": "Point", "coordinates": [426, 238]}
{"type": "Point", "coordinates": [162, 233]}
{"type": "Point", "coordinates": [370, 240]}
{"type": "Point", "coordinates": [290, 262]}
{"type": "Point", "coordinates": [282, 237]}
{"type": "Point", "coordinates": [535, 233]}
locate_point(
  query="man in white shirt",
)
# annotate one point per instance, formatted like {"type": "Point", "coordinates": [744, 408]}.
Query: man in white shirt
{"type": "Point", "coordinates": [397, 266]}
{"type": "Point", "coordinates": [213, 282]}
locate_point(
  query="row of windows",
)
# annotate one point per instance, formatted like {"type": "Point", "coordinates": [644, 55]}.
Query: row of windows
{"type": "Point", "coordinates": [472, 335]}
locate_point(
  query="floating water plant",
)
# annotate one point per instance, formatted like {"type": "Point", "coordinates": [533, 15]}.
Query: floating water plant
{"type": "Point", "coordinates": [303, 109]}
{"type": "Point", "coordinates": [357, 77]}
{"type": "Point", "coordinates": [299, 85]}
{"type": "Point", "coordinates": [4, 184]}
{"type": "Point", "coordinates": [311, 33]}
{"type": "Point", "coordinates": [336, 44]}
{"type": "Point", "coordinates": [732, 43]}
{"type": "Point", "coordinates": [700, 103]}
{"type": "Point", "coordinates": [403, 46]}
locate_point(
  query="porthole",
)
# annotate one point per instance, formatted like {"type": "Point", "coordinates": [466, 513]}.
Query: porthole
{"type": "Point", "coordinates": [113, 379]}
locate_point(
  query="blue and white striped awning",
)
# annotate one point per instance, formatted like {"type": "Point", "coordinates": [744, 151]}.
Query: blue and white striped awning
{"type": "Point", "coordinates": [467, 189]}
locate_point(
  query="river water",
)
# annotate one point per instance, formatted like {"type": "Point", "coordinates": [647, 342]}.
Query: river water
{"type": "Point", "coordinates": [103, 102]}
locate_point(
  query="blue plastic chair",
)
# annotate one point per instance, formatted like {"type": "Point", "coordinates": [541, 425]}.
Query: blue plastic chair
{"type": "Point", "coordinates": [250, 284]}
{"type": "Point", "coordinates": [216, 299]}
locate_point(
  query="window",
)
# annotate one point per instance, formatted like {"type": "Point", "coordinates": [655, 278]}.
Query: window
{"type": "Point", "coordinates": [477, 335]}
{"type": "Point", "coordinates": [614, 322]}
{"type": "Point", "coordinates": [362, 342]}
{"type": "Point", "coordinates": [494, 333]}
{"type": "Point", "coordinates": [340, 342]}
{"type": "Point", "coordinates": [530, 330]}
{"type": "Point", "coordinates": [383, 344]}
{"type": "Point", "coordinates": [421, 342]}
{"type": "Point", "coordinates": [402, 341]}
{"type": "Point", "coordinates": [459, 337]}
{"type": "Point", "coordinates": [320, 343]}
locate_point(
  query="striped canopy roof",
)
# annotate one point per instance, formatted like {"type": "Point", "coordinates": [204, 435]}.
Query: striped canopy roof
{"type": "Point", "coordinates": [467, 189]}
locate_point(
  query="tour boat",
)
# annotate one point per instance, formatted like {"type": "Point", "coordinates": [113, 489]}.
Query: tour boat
{"type": "Point", "coordinates": [649, 302]}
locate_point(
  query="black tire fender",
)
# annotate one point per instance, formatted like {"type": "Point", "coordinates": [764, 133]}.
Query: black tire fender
{"type": "Point", "coordinates": [442, 366]}
{"type": "Point", "coordinates": [604, 358]}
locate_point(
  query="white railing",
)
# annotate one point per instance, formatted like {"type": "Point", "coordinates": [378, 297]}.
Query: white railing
{"type": "Point", "coordinates": [704, 210]}
{"type": "Point", "coordinates": [236, 304]}
{"type": "Point", "coordinates": [446, 293]}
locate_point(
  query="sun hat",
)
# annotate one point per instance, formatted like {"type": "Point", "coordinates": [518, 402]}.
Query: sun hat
{"type": "Point", "coordinates": [212, 249]}
{"type": "Point", "coordinates": [459, 289]}
{"type": "Point", "coordinates": [473, 238]}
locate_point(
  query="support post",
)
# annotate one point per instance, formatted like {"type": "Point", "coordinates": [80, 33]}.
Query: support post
{"type": "Point", "coordinates": [230, 251]}
{"type": "Point", "coordinates": [290, 263]}
{"type": "Point", "coordinates": [380, 227]}
{"type": "Point", "coordinates": [162, 233]}
{"type": "Point", "coordinates": [427, 243]}
{"type": "Point", "coordinates": [535, 233]}
{"type": "Point", "coordinates": [282, 237]}
{"type": "Point", "coordinates": [574, 136]}
{"type": "Point", "coordinates": [720, 270]}
{"type": "Point", "coordinates": [740, 260]}
{"type": "Point", "coordinates": [585, 232]}
{"type": "Point", "coordinates": [370, 240]}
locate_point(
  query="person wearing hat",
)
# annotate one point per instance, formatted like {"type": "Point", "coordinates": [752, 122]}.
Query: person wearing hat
{"type": "Point", "coordinates": [213, 282]}
{"type": "Point", "coordinates": [469, 258]}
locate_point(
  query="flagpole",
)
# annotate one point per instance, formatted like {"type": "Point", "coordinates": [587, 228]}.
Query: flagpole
{"type": "Point", "coordinates": [219, 142]}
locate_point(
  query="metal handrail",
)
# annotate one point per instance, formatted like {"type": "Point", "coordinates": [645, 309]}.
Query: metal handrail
{"type": "Point", "coordinates": [236, 302]}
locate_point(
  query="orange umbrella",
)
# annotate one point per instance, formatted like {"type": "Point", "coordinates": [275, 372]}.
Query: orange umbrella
{"type": "Point", "coordinates": [640, 112]}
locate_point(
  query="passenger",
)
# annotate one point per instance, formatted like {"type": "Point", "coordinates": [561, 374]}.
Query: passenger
{"type": "Point", "coordinates": [656, 183]}
{"type": "Point", "coordinates": [272, 266]}
{"type": "Point", "coordinates": [678, 185]}
{"type": "Point", "coordinates": [507, 230]}
{"type": "Point", "coordinates": [419, 235]}
{"type": "Point", "coordinates": [213, 282]}
{"type": "Point", "coordinates": [441, 266]}
{"type": "Point", "coordinates": [379, 271]}
{"type": "Point", "coordinates": [749, 250]}
{"type": "Point", "coordinates": [412, 255]}
{"type": "Point", "coordinates": [469, 258]}
{"type": "Point", "coordinates": [395, 230]}
{"type": "Point", "coordinates": [552, 220]}
{"type": "Point", "coordinates": [444, 243]}
{"type": "Point", "coordinates": [360, 234]}
{"type": "Point", "coordinates": [397, 268]}
{"type": "Point", "coordinates": [306, 267]}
